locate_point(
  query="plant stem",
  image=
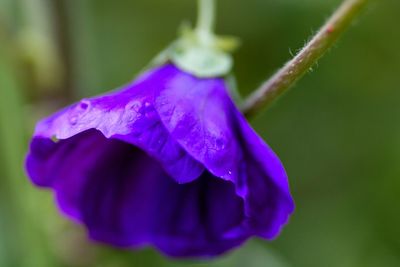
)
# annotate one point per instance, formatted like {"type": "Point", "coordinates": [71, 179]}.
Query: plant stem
{"type": "Point", "coordinates": [206, 19]}
{"type": "Point", "coordinates": [293, 70]}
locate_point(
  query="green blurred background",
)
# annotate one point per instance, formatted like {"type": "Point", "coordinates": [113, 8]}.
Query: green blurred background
{"type": "Point", "coordinates": [337, 131]}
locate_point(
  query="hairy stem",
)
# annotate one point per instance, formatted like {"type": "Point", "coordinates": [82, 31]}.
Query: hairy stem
{"type": "Point", "coordinates": [293, 70]}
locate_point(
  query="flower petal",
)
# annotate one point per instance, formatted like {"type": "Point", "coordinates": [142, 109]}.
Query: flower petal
{"type": "Point", "coordinates": [194, 111]}
{"type": "Point", "coordinates": [182, 220]}
{"type": "Point", "coordinates": [202, 218]}
{"type": "Point", "coordinates": [127, 114]}
{"type": "Point", "coordinates": [200, 115]}
{"type": "Point", "coordinates": [268, 200]}
{"type": "Point", "coordinates": [125, 198]}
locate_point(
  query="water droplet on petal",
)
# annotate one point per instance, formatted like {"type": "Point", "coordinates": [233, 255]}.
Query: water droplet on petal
{"type": "Point", "coordinates": [147, 110]}
{"type": "Point", "coordinates": [73, 120]}
{"type": "Point", "coordinates": [85, 104]}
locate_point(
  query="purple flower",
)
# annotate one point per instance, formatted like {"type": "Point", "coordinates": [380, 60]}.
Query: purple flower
{"type": "Point", "coordinates": [167, 161]}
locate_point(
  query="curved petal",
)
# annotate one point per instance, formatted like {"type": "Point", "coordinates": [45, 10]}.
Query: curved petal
{"type": "Point", "coordinates": [268, 200]}
{"type": "Point", "coordinates": [194, 111]}
{"type": "Point", "coordinates": [201, 117]}
{"type": "Point", "coordinates": [63, 165]}
{"type": "Point", "coordinates": [127, 114]}
{"type": "Point", "coordinates": [203, 218]}
{"type": "Point", "coordinates": [125, 198]}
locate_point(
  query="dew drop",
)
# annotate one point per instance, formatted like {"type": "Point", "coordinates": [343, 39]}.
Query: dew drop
{"type": "Point", "coordinates": [84, 104]}
{"type": "Point", "coordinates": [147, 110]}
{"type": "Point", "coordinates": [73, 120]}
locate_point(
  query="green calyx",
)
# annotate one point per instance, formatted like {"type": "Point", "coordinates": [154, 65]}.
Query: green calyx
{"type": "Point", "coordinates": [201, 53]}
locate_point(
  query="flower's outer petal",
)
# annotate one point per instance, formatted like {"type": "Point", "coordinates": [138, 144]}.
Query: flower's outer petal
{"type": "Point", "coordinates": [194, 111]}
{"type": "Point", "coordinates": [127, 114]}
{"type": "Point", "coordinates": [201, 116]}
{"type": "Point", "coordinates": [63, 166]}
{"type": "Point", "coordinates": [267, 196]}
{"type": "Point", "coordinates": [119, 200]}
{"type": "Point", "coordinates": [203, 218]}
{"type": "Point", "coordinates": [183, 220]}
{"type": "Point", "coordinates": [125, 198]}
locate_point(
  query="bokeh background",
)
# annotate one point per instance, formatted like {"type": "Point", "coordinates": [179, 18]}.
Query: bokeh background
{"type": "Point", "coordinates": [337, 131]}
